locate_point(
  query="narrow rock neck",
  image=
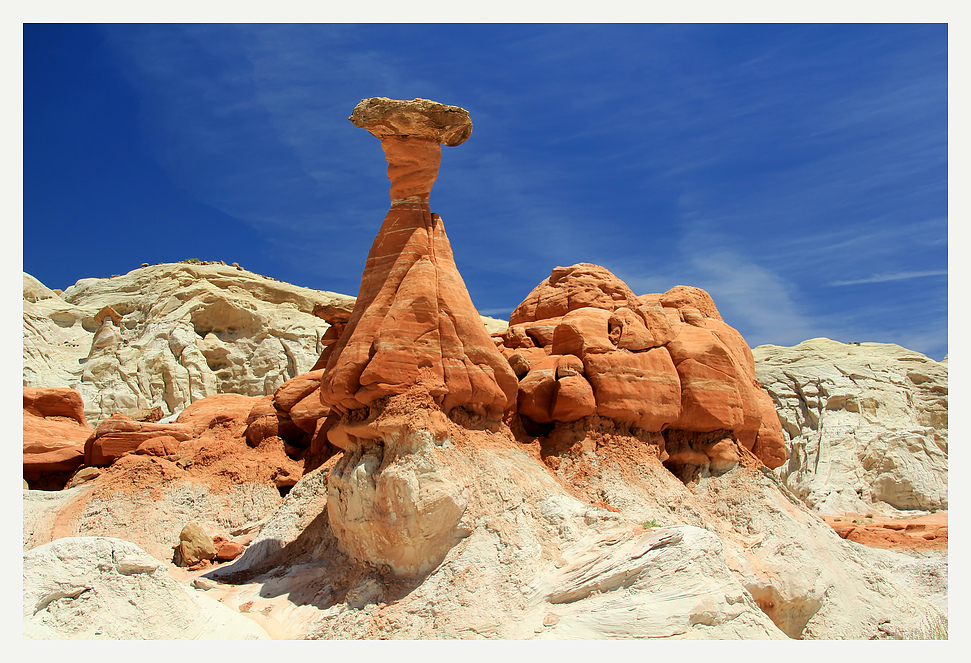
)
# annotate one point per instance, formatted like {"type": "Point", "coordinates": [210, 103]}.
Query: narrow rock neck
{"type": "Point", "coordinates": [412, 166]}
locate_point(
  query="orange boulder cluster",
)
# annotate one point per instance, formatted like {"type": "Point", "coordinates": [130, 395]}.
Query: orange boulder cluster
{"type": "Point", "coordinates": [219, 439]}
{"type": "Point", "coordinates": [583, 343]}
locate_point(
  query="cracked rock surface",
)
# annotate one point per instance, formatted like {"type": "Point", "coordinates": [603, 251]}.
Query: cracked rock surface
{"type": "Point", "coordinates": [106, 588]}
{"type": "Point", "coordinates": [865, 424]}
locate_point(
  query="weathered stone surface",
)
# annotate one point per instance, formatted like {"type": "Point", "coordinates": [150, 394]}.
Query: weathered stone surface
{"type": "Point", "coordinates": [628, 331]}
{"type": "Point", "coordinates": [537, 389]}
{"type": "Point", "coordinates": [228, 550]}
{"type": "Point", "coordinates": [118, 435]}
{"type": "Point", "coordinates": [296, 389]}
{"type": "Point", "coordinates": [309, 411]}
{"type": "Point", "coordinates": [866, 424]}
{"type": "Point", "coordinates": [105, 588]}
{"type": "Point", "coordinates": [710, 382]}
{"type": "Point", "coordinates": [690, 297]}
{"type": "Point", "coordinates": [327, 343]}
{"type": "Point", "coordinates": [185, 332]}
{"type": "Point", "coordinates": [55, 402]}
{"type": "Point", "coordinates": [582, 331]}
{"type": "Point", "coordinates": [658, 323]}
{"type": "Point", "coordinates": [640, 388]}
{"type": "Point", "coordinates": [569, 288]}
{"type": "Point", "coordinates": [163, 445]}
{"type": "Point", "coordinates": [194, 546]}
{"type": "Point", "coordinates": [83, 475]}
{"type": "Point", "coordinates": [413, 318]}
{"type": "Point", "coordinates": [573, 399]}
{"type": "Point", "coordinates": [218, 410]}
{"type": "Point", "coordinates": [418, 119]}
{"type": "Point", "coordinates": [54, 434]}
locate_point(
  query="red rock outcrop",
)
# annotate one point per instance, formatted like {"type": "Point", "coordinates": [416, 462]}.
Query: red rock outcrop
{"type": "Point", "coordinates": [117, 435]}
{"type": "Point", "coordinates": [664, 363]}
{"type": "Point", "coordinates": [54, 435]}
{"type": "Point", "coordinates": [569, 288]}
{"type": "Point", "coordinates": [414, 319]}
{"type": "Point", "coordinates": [55, 403]}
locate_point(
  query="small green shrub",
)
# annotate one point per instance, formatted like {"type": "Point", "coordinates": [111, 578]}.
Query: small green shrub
{"type": "Point", "coordinates": [192, 261]}
{"type": "Point", "coordinates": [650, 524]}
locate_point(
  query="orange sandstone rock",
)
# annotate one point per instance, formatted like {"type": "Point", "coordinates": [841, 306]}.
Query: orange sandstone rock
{"type": "Point", "coordinates": [309, 411]}
{"type": "Point", "coordinates": [582, 331]}
{"type": "Point", "coordinates": [413, 318]}
{"type": "Point", "coordinates": [659, 361]}
{"type": "Point", "coordinates": [686, 296]}
{"type": "Point", "coordinates": [217, 410]}
{"type": "Point", "coordinates": [569, 288]}
{"type": "Point", "coordinates": [118, 435]}
{"type": "Point", "coordinates": [163, 445]}
{"type": "Point", "coordinates": [641, 388]}
{"type": "Point", "coordinates": [55, 402]}
{"type": "Point", "coordinates": [296, 389]}
{"type": "Point", "coordinates": [54, 432]}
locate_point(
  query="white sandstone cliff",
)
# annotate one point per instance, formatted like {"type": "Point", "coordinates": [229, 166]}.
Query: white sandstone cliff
{"type": "Point", "coordinates": [866, 424]}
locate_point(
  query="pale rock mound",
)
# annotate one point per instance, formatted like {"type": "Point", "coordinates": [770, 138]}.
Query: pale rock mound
{"type": "Point", "coordinates": [171, 334]}
{"type": "Point", "coordinates": [866, 424]}
{"type": "Point", "coordinates": [106, 588]}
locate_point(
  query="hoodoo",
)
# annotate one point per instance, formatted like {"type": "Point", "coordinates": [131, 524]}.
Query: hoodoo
{"type": "Point", "coordinates": [414, 319]}
{"type": "Point", "coordinates": [414, 334]}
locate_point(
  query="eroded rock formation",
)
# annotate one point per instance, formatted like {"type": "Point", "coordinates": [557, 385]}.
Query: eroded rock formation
{"type": "Point", "coordinates": [866, 424]}
{"type": "Point", "coordinates": [55, 432]}
{"type": "Point", "coordinates": [414, 317]}
{"type": "Point", "coordinates": [413, 325]}
{"type": "Point", "coordinates": [582, 343]}
{"type": "Point", "coordinates": [595, 470]}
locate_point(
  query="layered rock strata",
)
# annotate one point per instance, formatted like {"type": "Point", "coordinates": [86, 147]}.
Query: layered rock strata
{"type": "Point", "coordinates": [414, 317]}
{"type": "Point", "coordinates": [55, 433]}
{"type": "Point", "coordinates": [413, 327]}
{"type": "Point", "coordinates": [865, 423]}
{"type": "Point", "coordinates": [583, 343]}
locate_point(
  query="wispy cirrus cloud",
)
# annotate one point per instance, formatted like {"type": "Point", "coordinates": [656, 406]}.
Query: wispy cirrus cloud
{"type": "Point", "coordinates": [896, 276]}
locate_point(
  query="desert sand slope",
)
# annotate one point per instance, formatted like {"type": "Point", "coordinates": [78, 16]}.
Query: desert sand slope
{"type": "Point", "coordinates": [866, 424]}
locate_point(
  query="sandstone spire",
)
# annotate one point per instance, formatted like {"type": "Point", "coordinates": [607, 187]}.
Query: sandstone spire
{"type": "Point", "coordinates": [414, 320]}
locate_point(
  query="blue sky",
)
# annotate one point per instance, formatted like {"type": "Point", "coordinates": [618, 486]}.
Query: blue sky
{"type": "Point", "coordinates": [796, 172]}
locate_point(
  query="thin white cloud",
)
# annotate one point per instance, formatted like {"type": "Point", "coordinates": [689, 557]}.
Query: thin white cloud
{"type": "Point", "coordinates": [896, 276]}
